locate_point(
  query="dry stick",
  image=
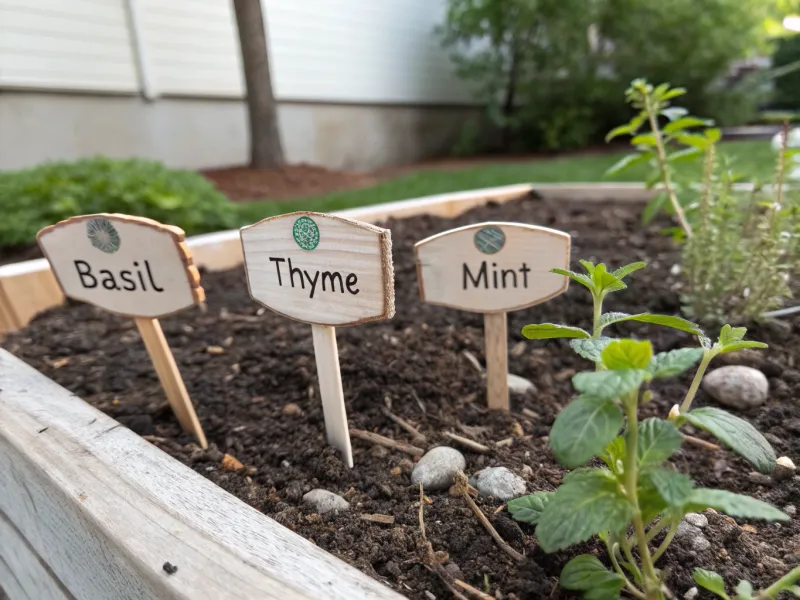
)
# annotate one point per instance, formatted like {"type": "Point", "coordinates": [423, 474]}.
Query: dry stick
{"type": "Point", "coordinates": [443, 577]}
{"type": "Point", "coordinates": [405, 425]}
{"type": "Point", "coordinates": [690, 439]}
{"type": "Point", "coordinates": [386, 442]}
{"type": "Point", "coordinates": [474, 591]}
{"type": "Point", "coordinates": [460, 484]}
{"type": "Point", "coordinates": [475, 446]}
{"type": "Point", "coordinates": [505, 442]}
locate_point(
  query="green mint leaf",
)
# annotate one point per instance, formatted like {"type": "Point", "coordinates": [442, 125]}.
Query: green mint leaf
{"type": "Point", "coordinates": [686, 123]}
{"type": "Point", "coordinates": [626, 162]}
{"type": "Point", "coordinates": [735, 505]}
{"type": "Point", "coordinates": [729, 335]}
{"type": "Point", "coordinates": [588, 502]}
{"type": "Point", "coordinates": [576, 277]}
{"type": "Point", "coordinates": [627, 129]}
{"type": "Point", "coordinates": [590, 349]}
{"type": "Point", "coordinates": [673, 487]}
{"type": "Point", "coordinates": [658, 440]}
{"type": "Point", "coordinates": [583, 429]}
{"type": "Point", "coordinates": [711, 581]}
{"type": "Point", "coordinates": [589, 266]}
{"type": "Point", "coordinates": [692, 139]}
{"type": "Point", "coordinates": [734, 346]}
{"type": "Point", "coordinates": [673, 93]}
{"type": "Point", "coordinates": [735, 433]}
{"type": "Point", "coordinates": [585, 572]}
{"type": "Point", "coordinates": [614, 455]}
{"type": "Point", "coordinates": [685, 155]}
{"type": "Point", "coordinates": [665, 320]}
{"type": "Point", "coordinates": [546, 331]}
{"type": "Point", "coordinates": [713, 135]}
{"type": "Point", "coordinates": [627, 354]}
{"type": "Point", "coordinates": [608, 385]}
{"type": "Point", "coordinates": [744, 591]}
{"type": "Point", "coordinates": [674, 362]}
{"type": "Point", "coordinates": [528, 509]}
{"type": "Point", "coordinates": [628, 269]}
{"type": "Point", "coordinates": [644, 139]}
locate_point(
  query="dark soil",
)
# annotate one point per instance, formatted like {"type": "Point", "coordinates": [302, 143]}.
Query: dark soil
{"type": "Point", "coordinates": [258, 401]}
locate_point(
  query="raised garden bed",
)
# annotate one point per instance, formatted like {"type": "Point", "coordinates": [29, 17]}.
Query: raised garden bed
{"type": "Point", "coordinates": [252, 376]}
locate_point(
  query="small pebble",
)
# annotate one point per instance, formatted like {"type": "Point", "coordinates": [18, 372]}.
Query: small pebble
{"type": "Point", "coordinates": [519, 385]}
{"type": "Point", "coordinates": [231, 463]}
{"type": "Point", "coordinates": [429, 596]}
{"type": "Point", "coordinates": [760, 478]}
{"type": "Point", "coordinates": [737, 386]}
{"type": "Point", "coordinates": [215, 350]}
{"type": "Point", "coordinates": [691, 594]}
{"type": "Point", "coordinates": [685, 530]}
{"type": "Point", "coordinates": [292, 409]}
{"type": "Point", "coordinates": [790, 510]}
{"type": "Point", "coordinates": [323, 501]}
{"type": "Point", "coordinates": [527, 471]}
{"type": "Point", "coordinates": [696, 519]}
{"type": "Point", "coordinates": [435, 470]}
{"type": "Point", "coordinates": [499, 482]}
{"type": "Point", "coordinates": [170, 569]}
{"type": "Point", "coordinates": [700, 543]}
{"type": "Point", "coordinates": [784, 469]}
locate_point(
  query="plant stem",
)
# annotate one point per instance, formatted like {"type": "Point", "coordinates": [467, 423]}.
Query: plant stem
{"type": "Point", "coordinates": [673, 529]}
{"type": "Point", "coordinates": [598, 311]}
{"type": "Point", "coordinates": [698, 377]}
{"type": "Point", "coordinates": [776, 588]}
{"type": "Point", "coordinates": [631, 588]}
{"type": "Point", "coordinates": [663, 167]}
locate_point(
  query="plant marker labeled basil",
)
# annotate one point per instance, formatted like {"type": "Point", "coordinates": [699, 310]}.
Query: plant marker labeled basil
{"type": "Point", "coordinates": [327, 271]}
{"type": "Point", "coordinates": [134, 267]}
{"type": "Point", "coordinates": [493, 268]}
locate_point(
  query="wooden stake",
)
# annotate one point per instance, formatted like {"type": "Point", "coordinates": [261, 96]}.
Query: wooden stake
{"type": "Point", "coordinates": [330, 390]}
{"type": "Point", "coordinates": [496, 335]}
{"type": "Point", "coordinates": [170, 377]}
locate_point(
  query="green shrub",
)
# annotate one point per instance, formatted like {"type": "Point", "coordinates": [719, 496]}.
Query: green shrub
{"type": "Point", "coordinates": [787, 88]}
{"type": "Point", "coordinates": [34, 198]}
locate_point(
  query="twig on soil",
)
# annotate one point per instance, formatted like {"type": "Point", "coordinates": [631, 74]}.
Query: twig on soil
{"type": "Point", "coordinates": [505, 442]}
{"type": "Point", "coordinates": [474, 591]}
{"type": "Point", "coordinates": [421, 516]}
{"type": "Point", "coordinates": [690, 439]}
{"type": "Point", "coordinates": [530, 414]}
{"type": "Point", "coordinates": [386, 442]}
{"type": "Point", "coordinates": [460, 486]}
{"type": "Point", "coordinates": [405, 425]}
{"type": "Point", "coordinates": [474, 446]}
{"type": "Point", "coordinates": [439, 571]}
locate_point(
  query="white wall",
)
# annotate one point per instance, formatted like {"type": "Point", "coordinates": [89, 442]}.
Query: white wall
{"type": "Point", "coordinates": [352, 51]}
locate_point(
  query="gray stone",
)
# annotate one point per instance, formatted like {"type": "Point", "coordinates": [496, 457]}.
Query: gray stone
{"type": "Point", "coordinates": [790, 510]}
{"type": "Point", "coordinates": [435, 470]}
{"type": "Point", "coordinates": [700, 543]}
{"type": "Point", "coordinates": [685, 530]}
{"type": "Point", "coordinates": [696, 519]}
{"type": "Point", "coordinates": [519, 385]}
{"type": "Point", "coordinates": [737, 386]}
{"type": "Point", "coordinates": [691, 594]}
{"type": "Point", "coordinates": [499, 482]}
{"type": "Point", "coordinates": [323, 501]}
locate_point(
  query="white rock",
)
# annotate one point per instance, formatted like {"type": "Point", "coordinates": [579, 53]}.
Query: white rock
{"type": "Point", "coordinates": [691, 594]}
{"type": "Point", "coordinates": [700, 543]}
{"type": "Point", "coordinates": [784, 469]}
{"type": "Point", "coordinates": [499, 482]}
{"type": "Point", "coordinates": [696, 519]}
{"type": "Point", "coordinates": [436, 468]}
{"type": "Point", "coordinates": [323, 501]}
{"type": "Point", "coordinates": [790, 510]}
{"type": "Point", "coordinates": [519, 385]}
{"type": "Point", "coordinates": [685, 530]}
{"type": "Point", "coordinates": [737, 386]}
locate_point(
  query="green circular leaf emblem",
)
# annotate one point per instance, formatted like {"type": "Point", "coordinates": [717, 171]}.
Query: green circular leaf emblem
{"type": "Point", "coordinates": [489, 239]}
{"type": "Point", "coordinates": [306, 233]}
{"type": "Point", "coordinates": [103, 235]}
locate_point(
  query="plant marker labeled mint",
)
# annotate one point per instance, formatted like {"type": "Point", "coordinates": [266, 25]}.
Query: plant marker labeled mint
{"type": "Point", "coordinates": [329, 272]}
{"type": "Point", "coordinates": [134, 267]}
{"type": "Point", "coordinates": [493, 268]}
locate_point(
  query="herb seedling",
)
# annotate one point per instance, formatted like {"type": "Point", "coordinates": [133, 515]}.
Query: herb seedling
{"type": "Point", "coordinates": [638, 496]}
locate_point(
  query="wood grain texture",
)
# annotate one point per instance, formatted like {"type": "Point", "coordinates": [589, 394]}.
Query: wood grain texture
{"type": "Point", "coordinates": [137, 268]}
{"type": "Point", "coordinates": [170, 378]}
{"type": "Point", "coordinates": [330, 390]}
{"type": "Point", "coordinates": [508, 272]}
{"type": "Point", "coordinates": [495, 331]}
{"type": "Point", "coordinates": [343, 276]}
{"type": "Point", "coordinates": [104, 510]}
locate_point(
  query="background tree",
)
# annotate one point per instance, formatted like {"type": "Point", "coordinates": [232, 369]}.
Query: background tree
{"type": "Point", "coordinates": [265, 140]}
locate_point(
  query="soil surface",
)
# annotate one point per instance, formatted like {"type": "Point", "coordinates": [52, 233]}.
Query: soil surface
{"type": "Point", "coordinates": [252, 376]}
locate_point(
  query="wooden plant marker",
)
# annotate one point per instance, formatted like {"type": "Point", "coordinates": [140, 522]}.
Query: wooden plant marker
{"type": "Point", "coordinates": [493, 268]}
{"type": "Point", "coordinates": [329, 272]}
{"type": "Point", "coordinates": [134, 267]}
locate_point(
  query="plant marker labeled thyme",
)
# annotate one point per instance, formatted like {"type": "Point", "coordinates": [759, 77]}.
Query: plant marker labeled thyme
{"type": "Point", "coordinates": [329, 272]}
{"type": "Point", "coordinates": [493, 268]}
{"type": "Point", "coordinates": [134, 267]}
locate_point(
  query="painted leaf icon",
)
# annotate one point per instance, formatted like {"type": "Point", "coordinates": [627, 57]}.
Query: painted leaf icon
{"type": "Point", "coordinates": [103, 235]}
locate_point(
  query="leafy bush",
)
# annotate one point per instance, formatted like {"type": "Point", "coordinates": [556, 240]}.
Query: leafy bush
{"type": "Point", "coordinates": [741, 247]}
{"type": "Point", "coordinates": [638, 495]}
{"type": "Point", "coordinates": [787, 88]}
{"type": "Point", "coordinates": [34, 198]}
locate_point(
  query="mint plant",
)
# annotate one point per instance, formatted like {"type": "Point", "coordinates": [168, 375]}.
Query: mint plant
{"type": "Point", "coordinates": [638, 495]}
{"type": "Point", "coordinates": [714, 583]}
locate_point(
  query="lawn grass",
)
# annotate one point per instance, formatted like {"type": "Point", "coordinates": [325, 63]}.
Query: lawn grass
{"type": "Point", "coordinates": [753, 158]}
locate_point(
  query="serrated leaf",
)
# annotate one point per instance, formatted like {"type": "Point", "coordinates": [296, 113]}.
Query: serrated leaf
{"type": "Point", "coordinates": [735, 433]}
{"type": "Point", "coordinates": [711, 581]}
{"type": "Point", "coordinates": [627, 354]}
{"type": "Point", "coordinates": [626, 270]}
{"type": "Point", "coordinates": [587, 502]}
{"type": "Point", "coordinates": [658, 440]}
{"type": "Point", "coordinates": [614, 455]}
{"type": "Point", "coordinates": [744, 590]}
{"type": "Point", "coordinates": [546, 331]}
{"type": "Point", "coordinates": [583, 429]}
{"type": "Point", "coordinates": [729, 335]}
{"type": "Point", "coordinates": [576, 277]}
{"type": "Point", "coordinates": [674, 362]}
{"type": "Point", "coordinates": [627, 162]}
{"type": "Point", "coordinates": [684, 155]}
{"type": "Point", "coordinates": [586, 572]}
{"type": "Point", "coordinates": [685, 123]}
{"type": "Point", "coordinates": [528, 509]}
{"type": "Point", "coordinates": [590, 349]}
{"type": "Point", "coordinates": [664, 320]}
{"type": "Point", "coordinates": [653, 207]}
{"type": "Point", "coordinates": [673, 487]}
{"type": "Point", "coordinates": [608, 385]}
{"type": "Point", "coordinates": [734, 505]}
{"type": "Point", "coordinates": [733, 347]}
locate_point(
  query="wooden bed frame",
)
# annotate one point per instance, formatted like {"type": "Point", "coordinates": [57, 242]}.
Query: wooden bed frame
{"type": "Point", "coordinates": [91, 511]}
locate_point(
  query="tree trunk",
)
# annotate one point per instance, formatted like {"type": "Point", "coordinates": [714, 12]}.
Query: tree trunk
{"type": "Point", "coordinates": [265, 139]}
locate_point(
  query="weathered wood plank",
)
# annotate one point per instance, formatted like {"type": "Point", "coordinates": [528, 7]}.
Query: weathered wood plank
{"type": "Point", "coordinates": [104, 510]}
